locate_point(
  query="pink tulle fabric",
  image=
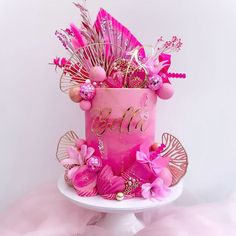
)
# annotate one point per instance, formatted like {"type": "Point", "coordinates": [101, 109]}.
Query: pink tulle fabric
{"type": "Point", "coordinates": [46, 213]}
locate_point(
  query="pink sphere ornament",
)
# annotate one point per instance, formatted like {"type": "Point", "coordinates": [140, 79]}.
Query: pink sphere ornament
{"type": "Point", "coordinates": [154, 147]}
{"type": "Point", "coordinates": [155, 82]}
{"type": "Point", "coordinates": [74, 94]}
{"type": "Point", "coordinates": [94, 163]}
{"type": "Point", "coordinates": [87, 91]}
{"type": "Point", "coordinates": [85, 105]}
{"type": "Point", "coordinates": [166, 91]}
{"type": "Point", "coordinates": [97, 74]}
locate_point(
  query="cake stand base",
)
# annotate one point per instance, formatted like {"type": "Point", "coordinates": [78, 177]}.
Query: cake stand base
{"type": "Point", "coordinates": [119, 218]}
{"type": "Point", "coordinates": [125, 224]}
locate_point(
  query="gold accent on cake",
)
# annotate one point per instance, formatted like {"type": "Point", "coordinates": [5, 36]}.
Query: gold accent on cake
{"type": "Point", "coordinates": [130, 121]}
{"type": "Point", "coordinates": [120, 196]}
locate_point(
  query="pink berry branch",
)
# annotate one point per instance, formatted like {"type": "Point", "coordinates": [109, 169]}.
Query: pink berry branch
{"type": "Point", "coordinates": [177, 75]}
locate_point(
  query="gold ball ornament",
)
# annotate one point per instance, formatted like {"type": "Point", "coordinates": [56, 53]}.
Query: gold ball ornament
{"type": "Point", "coordinates": [74, 94]}
{"type": "Point", "coordinates": [154, 147]}
{"type": "Point", "coordinates": [120, 196]}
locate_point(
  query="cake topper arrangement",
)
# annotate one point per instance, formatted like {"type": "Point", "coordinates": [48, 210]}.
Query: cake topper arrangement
{"type": "Point", "coordinates": [105, 54]}
{"type": "Point", "coordinates": [116, 82]}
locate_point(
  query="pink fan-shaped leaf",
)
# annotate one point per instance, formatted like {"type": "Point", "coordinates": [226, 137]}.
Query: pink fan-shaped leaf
{"type": "Point", "coordinates": [116, 34]}
{"type": "Point", "coordinates": [108, 183]}
{"type": "Point", "coordinates": [178, 157]}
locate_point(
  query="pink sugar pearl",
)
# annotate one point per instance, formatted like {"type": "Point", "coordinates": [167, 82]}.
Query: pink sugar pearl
{"type": "Point", "coordinates": [166, 91]}
{"type": "Point", "coordinates": [85, 105]}
{"type": "Point", "coordinates": [97, 74]}
{"type": "Point", "coordinates": [74, 94]}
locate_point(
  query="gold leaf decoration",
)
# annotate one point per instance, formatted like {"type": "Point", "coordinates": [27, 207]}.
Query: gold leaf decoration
{"type": "Point", "coordinates": [76, 70]}
{"type": "Point", "coordinates": [179, 159]}
{"type": "Point", "coordinates": [68, 139]}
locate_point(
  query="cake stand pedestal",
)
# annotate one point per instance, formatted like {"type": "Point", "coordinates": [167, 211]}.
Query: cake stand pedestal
{"type": "Point", "coordinates": [120, 217]}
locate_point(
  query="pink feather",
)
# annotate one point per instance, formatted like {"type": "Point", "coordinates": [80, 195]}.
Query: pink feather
{"type": "Point", "coordinates": [77, 35]}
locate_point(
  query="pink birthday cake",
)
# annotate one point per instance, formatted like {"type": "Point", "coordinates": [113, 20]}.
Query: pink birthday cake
{"type": "Point", "coordinates": [117, 84]}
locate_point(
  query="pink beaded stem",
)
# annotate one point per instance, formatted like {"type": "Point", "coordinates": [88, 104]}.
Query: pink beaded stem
{"type": "Point", "coordinates": [177, 75]}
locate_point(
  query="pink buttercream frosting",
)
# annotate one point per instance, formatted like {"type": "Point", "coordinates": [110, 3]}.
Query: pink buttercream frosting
{"type": "Point", "coordinates": [119, 121]}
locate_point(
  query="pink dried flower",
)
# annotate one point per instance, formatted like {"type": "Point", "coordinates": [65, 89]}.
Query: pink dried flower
{"type": "Point", "coordinates": [162, 46]}
{"type": "Point", "coordinates": [77, 157]}
{"type": "Point", "coordinates": [59, 62]}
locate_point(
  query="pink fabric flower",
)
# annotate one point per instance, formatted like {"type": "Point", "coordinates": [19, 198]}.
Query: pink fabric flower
{"type": "Point", "coordinates": [157, 189]}
{"type": "Point", "coordinates": [155, 161]}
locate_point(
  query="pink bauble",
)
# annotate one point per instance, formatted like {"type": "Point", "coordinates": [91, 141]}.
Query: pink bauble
{"type": "Point", "coordinates": [97, 74]}
{"type": "Point", "coordinates": [74, 94]}
{"type": "Point", "coordinates": [155, 82]}
{"type": "Point", "coordinates": [87, 91]}
{"type": "Point", "coordinates": [94, 163]}
{"type": "Point", "coordinates": [85, 105]}
{"type": "Point", "coordinates": [166, 91]}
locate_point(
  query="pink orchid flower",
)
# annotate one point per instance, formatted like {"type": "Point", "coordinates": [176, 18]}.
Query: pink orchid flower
{"type": "Point", "coordinates": [77, 158]}
{"type": "Point", "coordinates": [155, 190]}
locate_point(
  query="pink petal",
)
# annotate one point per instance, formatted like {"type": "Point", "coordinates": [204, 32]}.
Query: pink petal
{"type": "Point", "coordinates": [90, 152]}
{"type": "Point", "coordinates": [159, 189]}
{"type": "Point", "coordinates": [161, 161]}
{"type": "Point", "coordinates": [146, 190]}
{"type": "Point", "coordinates": [83, 151]}
{"type": "Point", "coordinates": [141, 157]}
{"type": "Point", "coordinates": [75, 155]}
{"type": "Point", "coordinates": [157, 183]}
{"type": "Point", "coordinates": [166, 176]}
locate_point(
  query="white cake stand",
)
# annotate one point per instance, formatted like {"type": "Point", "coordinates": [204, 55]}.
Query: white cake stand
{"type": "Point", "coordinates": [120, 219]}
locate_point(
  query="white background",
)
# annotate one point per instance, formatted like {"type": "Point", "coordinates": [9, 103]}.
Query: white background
{"type": "Point", "coordinates": [34, 113]}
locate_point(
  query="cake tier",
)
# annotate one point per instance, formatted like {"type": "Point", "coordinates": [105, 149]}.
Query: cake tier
{"type": "Point", "coordinates": [119, 122]}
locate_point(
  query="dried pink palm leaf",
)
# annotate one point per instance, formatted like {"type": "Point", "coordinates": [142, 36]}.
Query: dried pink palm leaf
{"type": "Point", "coordinates": [115, 33]}
{"type": "Point", "coordinates": [178, 157]}
{"type": "Point", "coordinates": [67, 140]}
